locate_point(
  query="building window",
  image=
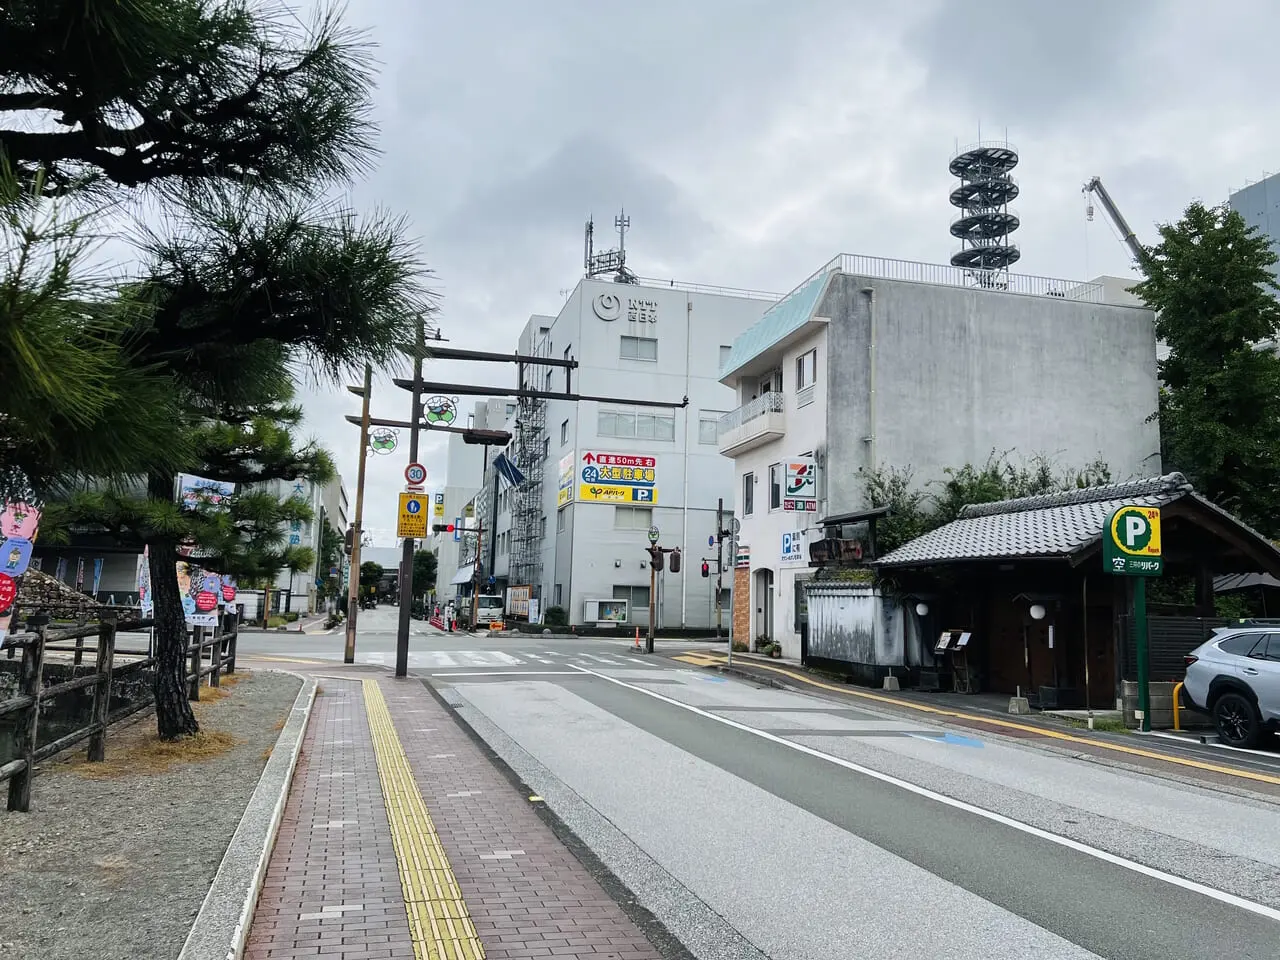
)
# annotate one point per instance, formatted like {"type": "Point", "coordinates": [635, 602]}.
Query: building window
{"type": "Point", "coordinates": [628, 424]}
{"type": "Point", "coordinates": [639, 348]}
{"type": "Point", "coordinates": [564, 432]}
{"type": "Point", "coordinates": [632, 518]}
{"type": "Point", "coordinates": [566, 369]}
{"type": "Point", "coordinates": [637, 601]}
{"type": "Point", "coordinates": [546, 447]}
{"type": "Point", "coordinates": [708, 426]}
{"type": "Point", "coordinates": [725, 352]}
{"type": "Point", "coordinates": [748, 494]}
{"type": "Point", "coordinates": [555, 595]}
{"type": "Point", "coordinates": [807, 369]}
{"type": "Point", "coordinates": [560, 521]}
{"type": "Point", "coordinates": [542, 528]}
{"type": "Point", "coordinates": [511, 408]}
{"type": "Point", "coordinates": [775, 486]}
{"type": "Point", "coordinates": [549, 381]}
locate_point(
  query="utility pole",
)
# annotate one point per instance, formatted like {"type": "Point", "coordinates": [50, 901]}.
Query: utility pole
{"type": "Point", "coordinates": [353, 579]}
{"type": "Point", "coordinates": [719, 565]}
{"type": "Point", "coordinates": [406, 555]}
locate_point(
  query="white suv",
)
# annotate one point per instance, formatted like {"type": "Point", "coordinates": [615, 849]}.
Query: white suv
{"type": "Point", "coordinates": [1235, 677]}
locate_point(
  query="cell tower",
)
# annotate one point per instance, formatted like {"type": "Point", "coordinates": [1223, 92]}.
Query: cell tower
{"type": "Point", "coordinates": [985, 223]}
{"type": "Point", "coordinates": [609, 261]}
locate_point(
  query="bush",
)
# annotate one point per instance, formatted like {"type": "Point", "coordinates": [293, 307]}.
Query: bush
{"type": "Point", "coordinates": [740, 646]}
{"type": "Point", "coordinates": [291, 616]}
{"type": "Point", "coordinates": [556, 617]}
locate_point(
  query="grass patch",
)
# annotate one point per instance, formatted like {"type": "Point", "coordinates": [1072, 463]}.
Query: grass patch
{"type": "Point", "coordinates": [225, 688]}
{"type": "Point", "coordinates": [1105, 724]}
{"type": "Point", "coordinates": [150, 755]}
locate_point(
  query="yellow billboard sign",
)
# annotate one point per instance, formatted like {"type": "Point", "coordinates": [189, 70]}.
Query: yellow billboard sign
{"type": "Point", "coordinates": [605, 477]}
{"type": "Point", "coordinates": [609, 493]}
{"type": "Point", "coordinates": [412, 521]}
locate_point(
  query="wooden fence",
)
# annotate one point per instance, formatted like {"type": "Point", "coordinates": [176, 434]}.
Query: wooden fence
{"type": "Point", "coordinates": [209, 655]}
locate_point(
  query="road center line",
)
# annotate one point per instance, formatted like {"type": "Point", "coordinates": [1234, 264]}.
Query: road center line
{"type": "Point", "coordinates": [1078, 847]}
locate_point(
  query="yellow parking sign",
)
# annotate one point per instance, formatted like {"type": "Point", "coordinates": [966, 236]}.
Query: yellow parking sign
{"type": "Point", "coordinates": [412, 522]}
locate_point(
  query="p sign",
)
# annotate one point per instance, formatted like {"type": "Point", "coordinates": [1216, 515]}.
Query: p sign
{"type": "Point", "coordinates": [1131, 542]}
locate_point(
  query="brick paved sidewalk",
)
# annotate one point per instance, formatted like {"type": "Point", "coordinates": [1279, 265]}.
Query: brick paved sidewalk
{"type": "Point", "coordinates": [334, 886]}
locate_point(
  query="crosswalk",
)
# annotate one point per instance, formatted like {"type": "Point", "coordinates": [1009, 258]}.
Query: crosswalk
{"type": "Point", "coordinates": [502, 659]}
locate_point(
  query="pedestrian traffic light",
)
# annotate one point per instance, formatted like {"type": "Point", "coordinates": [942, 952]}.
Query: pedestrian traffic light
{"type": "Point", "coordinates": [675, 560]}
{"type": "Point", "coordinates": [706, 569]}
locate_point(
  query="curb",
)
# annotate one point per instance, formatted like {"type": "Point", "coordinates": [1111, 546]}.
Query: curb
{"type": "Point", "coordinates": [221, 928]}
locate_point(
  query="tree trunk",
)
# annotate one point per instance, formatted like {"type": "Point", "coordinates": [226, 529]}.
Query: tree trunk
{"type": "Point", "coordinates": [174, 719]}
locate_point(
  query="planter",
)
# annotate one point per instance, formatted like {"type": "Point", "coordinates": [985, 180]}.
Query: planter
{"type": "Point", "coordinates": [776, 654]}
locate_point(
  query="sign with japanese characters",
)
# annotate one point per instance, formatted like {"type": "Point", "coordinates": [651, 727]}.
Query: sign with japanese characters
{"type": "Point", "coordinates": [1131, 542]}
{"type": "Point", "coordinates": [800, 494]}
{"type": "Point", "coordinates": [564, 488]}
{"type": "Point", "coordinates": [793, 545]}
{"type": "Point", "coordinates": [412, 520]}
{"type": "Point", "coordinates": [617, 477]}
{"type": "Point", "coordinates": [609, 306]}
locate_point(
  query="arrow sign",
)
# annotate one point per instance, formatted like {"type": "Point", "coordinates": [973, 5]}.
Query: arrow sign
{"type": "Point", "coordinates": [588, 458]}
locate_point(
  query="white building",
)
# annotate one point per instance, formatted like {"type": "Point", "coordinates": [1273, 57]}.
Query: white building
{"type": "Point", "coordinates": [463, 477]}
{"type": "Point", "coordinates": [874, 363]}
{"type": "Point", "coordinates": [576, 532]}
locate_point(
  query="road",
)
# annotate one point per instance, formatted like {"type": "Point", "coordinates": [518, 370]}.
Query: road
{"type": "Point", "coordinates": [758, 822]}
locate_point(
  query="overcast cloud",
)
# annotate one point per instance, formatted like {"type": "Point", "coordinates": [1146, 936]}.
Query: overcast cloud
{"type": "Point", "coordinates": [752, 141]}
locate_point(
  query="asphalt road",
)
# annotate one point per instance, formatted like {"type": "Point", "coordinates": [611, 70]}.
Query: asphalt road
{"type": "Point", "coordinates": [758, 822]}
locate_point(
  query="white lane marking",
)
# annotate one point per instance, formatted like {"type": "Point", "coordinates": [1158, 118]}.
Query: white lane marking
{"type": "Point", "coordinates": [539, 659]}
{"type": "Point", "coordinates": [1169, 878]}
{"type": "Point", "coordinates": [508, 673]}
{"type": "Point", "coordinates": [638, 660]}
{"type": "Point", "coordinates": [592, 656]}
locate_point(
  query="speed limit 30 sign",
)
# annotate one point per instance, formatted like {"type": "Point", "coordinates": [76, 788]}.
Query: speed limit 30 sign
{"type": "Point", "coordinates": [415, 474]}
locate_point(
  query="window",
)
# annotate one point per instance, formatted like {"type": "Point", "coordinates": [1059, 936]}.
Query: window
{"type": "Point", "coordinates": [637, 601]}
{"type": "Point", "coordinates": [560, 521]}
{"type": "Point", "coordinates": [542, 528]}
{"type": "Point", "coordinates": [725, 351]}
{"type": "Point", "coordinates": [708, 426]}
{"type": "Point", "coordinates": [555, 595]}
{"type": "Point", "coordinates": [775, 486]}
{"type": "Point", "coordinates": [1241, 644]}
{"type": "Point", "coordinates": [546, 447]}
{"type": "Point", "coordinates": [626, 424]}
{"type": "Point", "coordinates": [564, 432]}
{"type": "Point", "coordinates": [807, 369]}
{"type": "Point", "coordinates": [566, 369]}
{"type": "Point", "coordinates": [639, 348]}
{"type": "Point", "coordinates": [632, 518]}
{"type": "Point", "coordinates": [511, 408]}
{"type": "Point", "coordinates": [748, 494]}
{"type": "Point", "coordinates": [771, 382]}
{"type": "Point", "coordinates": [549, 381]}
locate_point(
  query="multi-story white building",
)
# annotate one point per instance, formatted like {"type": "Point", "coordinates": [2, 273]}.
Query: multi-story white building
{"type": "Point", "coordinates": [601, 472]}
{"type": "Point", "coordinates": [874, 363]}
{"type": "Point", "coordinates": [463, 477]}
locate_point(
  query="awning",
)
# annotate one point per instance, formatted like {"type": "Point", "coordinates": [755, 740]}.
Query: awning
{"type": "Point", "coordinates": [463, 575]}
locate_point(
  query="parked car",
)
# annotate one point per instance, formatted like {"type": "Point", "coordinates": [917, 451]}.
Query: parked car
{"type": "Point", "coordinates": [1235, 678]}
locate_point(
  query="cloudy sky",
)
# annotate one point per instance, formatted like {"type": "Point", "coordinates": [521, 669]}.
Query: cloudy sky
{"type": "Point", "coordinates": [751, 141]}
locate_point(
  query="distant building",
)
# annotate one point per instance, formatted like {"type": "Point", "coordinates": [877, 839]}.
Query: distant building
{"type": "Point", "coordinates": [1259, 205]}
{"type": "Point", "coordinates": [874, 363]}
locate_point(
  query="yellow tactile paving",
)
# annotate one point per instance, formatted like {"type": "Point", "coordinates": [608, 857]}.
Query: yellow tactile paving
{"type": "Point", "coordinates": [438, 919]}
{"type": "Point", "coordinates": [715, 660]}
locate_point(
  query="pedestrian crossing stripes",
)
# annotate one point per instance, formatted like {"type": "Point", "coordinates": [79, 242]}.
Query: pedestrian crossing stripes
{"type": "Point", "coordinates": [470, 659]}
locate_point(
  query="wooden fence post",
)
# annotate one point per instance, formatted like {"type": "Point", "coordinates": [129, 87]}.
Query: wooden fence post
{"type": "Point", "coordinates": [215, 655]}
{"type": "Point", "coordinates": [24, 740]}
{"type": "Point", "coordinates": [102, 689]}
{"type": "Point", "coordinates": [197, 638]}
{"type": "Point", "coordinates": [234, 621]}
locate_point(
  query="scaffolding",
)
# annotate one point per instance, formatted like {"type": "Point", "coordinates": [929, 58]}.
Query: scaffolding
{"type": "Point", "coordinates": [528, 520]}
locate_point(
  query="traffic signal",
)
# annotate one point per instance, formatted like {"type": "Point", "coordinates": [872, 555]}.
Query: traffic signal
{"type": "Point", "coordinates": [655, 557]}
{"type": "Point", "coordinates": [706, 569]}
{"type": "Point", "coordinates": [442, 528]}
{"type": "Point", "coordinates": [348, 543]}
{"type": "Point", "coordinates": [675, 560]}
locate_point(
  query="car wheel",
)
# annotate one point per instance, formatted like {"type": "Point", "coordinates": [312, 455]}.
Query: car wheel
{"type": "Point", "coordinates": [1237, 718]}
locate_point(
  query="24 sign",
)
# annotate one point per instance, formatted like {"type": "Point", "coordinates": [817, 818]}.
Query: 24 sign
{"type": "Point", "coordinates": [1131, 542]}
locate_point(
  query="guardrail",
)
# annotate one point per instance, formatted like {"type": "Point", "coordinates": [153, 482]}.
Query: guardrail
{"type": "Point", "coordinates": [19, 772]}
{"type": "Point", "coordinates": [771, 402]}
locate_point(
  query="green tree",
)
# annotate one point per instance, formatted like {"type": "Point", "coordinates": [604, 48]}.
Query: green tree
{"type": "Point", "coordinates": [370, 573]}
{"type": "Point", "coordinates": [424, 572]}
{"type": "Point", "coordinates": [1210, 281]}
{"type": "Point", "coordinates": [135, 92]}
{"type": "Point", "coordinates": [330, 558]}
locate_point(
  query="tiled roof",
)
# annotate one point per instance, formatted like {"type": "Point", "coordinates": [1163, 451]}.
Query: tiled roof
{"type": "Point", "coordinates": [1056, 524]}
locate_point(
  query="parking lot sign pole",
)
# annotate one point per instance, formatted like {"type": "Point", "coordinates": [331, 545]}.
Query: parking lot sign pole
{"type": "Point", "coordinates": [406, 554]}
{"type": "Point", "coordinates": [1131, 548]}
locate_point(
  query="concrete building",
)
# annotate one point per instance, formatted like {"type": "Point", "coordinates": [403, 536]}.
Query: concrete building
{"type": "Point", "coordinates": [875, 363]}
{"type": "Point", "coordinates": [600, 473]}
{"type": "Point", "coordinates": [1259, 205]}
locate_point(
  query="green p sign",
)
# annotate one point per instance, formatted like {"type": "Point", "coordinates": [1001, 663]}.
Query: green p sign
{"type": "Point", "coordinates": [1131, 542]}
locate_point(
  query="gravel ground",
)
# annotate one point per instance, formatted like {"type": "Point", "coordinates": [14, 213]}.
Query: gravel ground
{"type": "Point", "coordinates": [117, 868]}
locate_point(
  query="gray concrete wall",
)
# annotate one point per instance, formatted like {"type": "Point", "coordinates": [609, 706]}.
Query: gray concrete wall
{"type": "Point", "coordinates": [962, 372]}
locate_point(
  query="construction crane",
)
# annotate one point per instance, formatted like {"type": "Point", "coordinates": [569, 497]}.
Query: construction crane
{"type": "Point", "coordinates": [1095, 186]}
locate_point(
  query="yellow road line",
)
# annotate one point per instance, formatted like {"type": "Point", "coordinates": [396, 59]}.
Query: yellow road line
{"type": "Point", "coordinates": [717, 660]}
{"type": "Point", "coordinates": [439, 923]}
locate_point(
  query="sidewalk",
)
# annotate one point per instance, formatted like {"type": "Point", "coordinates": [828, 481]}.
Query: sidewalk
{"type": "Point", "coordinates": [401, 839]}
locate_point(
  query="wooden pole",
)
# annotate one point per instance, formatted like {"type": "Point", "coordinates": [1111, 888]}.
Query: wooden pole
{"type": "Point", "coordinates": [102, 689]}
{"type": "Point", "coordinates": [24, 740]}
{"type": "Point", "coordinates": [357, 526]}
{"type": "Point", "coordinates": [197, 639]}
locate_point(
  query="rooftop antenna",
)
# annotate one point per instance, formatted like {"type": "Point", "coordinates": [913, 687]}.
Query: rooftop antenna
{"type": "Point", "coordinates": [608, 261]}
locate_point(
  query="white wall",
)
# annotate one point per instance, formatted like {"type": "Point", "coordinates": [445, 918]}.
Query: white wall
{"type": "Point", "coordinates": [763, 528]}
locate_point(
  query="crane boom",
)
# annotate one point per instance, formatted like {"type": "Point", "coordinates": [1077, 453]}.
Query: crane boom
{"type": "Point", "coordinates": [1095, 186]}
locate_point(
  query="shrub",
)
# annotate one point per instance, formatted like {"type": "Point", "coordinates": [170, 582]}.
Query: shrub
{"type": "Point", "coordinates": [556, 617]}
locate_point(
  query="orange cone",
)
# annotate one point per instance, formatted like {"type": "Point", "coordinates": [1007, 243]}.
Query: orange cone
{"type": "Point", "coordinates": [637, 638]}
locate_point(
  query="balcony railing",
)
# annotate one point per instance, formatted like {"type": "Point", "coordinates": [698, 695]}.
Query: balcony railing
{"type": "Point", "coordinates": [771, 402]}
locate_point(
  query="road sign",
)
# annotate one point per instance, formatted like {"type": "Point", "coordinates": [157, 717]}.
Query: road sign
{"type": "Point", "coordinates": [415, 474]}
{"type": "Point", "coordinates": [1131, 542]}
{"type": "Point", "coordinates": [735, 525]}
{"type": "Point", "coordinates": [616, 477]}
{"type": "Point", "coordinates": [412, 522]}
{"type": "Point", "coordinates": [711, 540]}
{"type": "Point", "coordinates": [653, 534]}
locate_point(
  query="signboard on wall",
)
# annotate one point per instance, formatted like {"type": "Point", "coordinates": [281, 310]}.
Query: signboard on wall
{"type": "Point", "coordinates": [800, 494]}
{"type": "Point", "coordinates": [617, 477]}
{"type": "Point", "coordinates": [793, 545]}
{"type": "Point", "coordinates": [568, 467]}
{"type": "Point", "coordinates": [742, 555]}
